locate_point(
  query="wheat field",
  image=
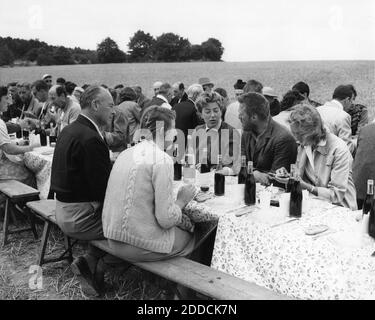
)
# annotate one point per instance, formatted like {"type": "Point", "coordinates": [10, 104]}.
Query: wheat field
{"type": "Point", "coordinates": [322, 76]}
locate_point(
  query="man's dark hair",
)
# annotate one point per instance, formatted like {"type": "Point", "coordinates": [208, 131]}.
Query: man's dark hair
{"type": "Point", "coordinates": [40, 85]}
{"type": "Point", "coordinates": [12, 84]}
{"type": "Point", "coordinates": [290, 99]}
{"type": "Point", "coordinates": [302, 88]}
{"type": "Point", "coordinates": [3, 92]}
{"type": "Point", "coordinates": [70, 86]}
{"type": "Point", "coordinates": [119, 86]}
{"type": "Point", "coordinates": [85, 86]}
{"type": "Point", "coordinates": [354, 90]}
{"type": "Point", "coordinates": [256, 104]}
{"type": "Point", "coordinates": [128, 94]}
{"type": "Point", "coordinates": [253, 86]}
{"type": "Point", "coordinates": [61, 81]}
{"type": "Point", "coordinates": [181, 86]}
{"type": "Point", "coordinates": [222, 92]}
{"type": "Point", "coordinates": [60, 90]}
{"type": "Point", "coordinates": [342, 92]}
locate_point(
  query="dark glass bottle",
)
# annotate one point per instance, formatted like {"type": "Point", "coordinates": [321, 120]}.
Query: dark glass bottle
{"type": "Point", "coordinates": [295, 207]}
{"type": "Point", "coordinates": [177, 166]}
{"type": "Point", "coordinates": [219, 178]}
{"type": "Point", "coordinates": [204, 164]}
{"type": "Point", "coordinates": [52, 136]}
{"type": "Point", "coordinates": [250, 186]}
{"type": "Point", "coordinates": [43, 134]}
{"type": "Point", "coordinates": [243, 172]}
{"type": "Point", "coordinates": [291, 180]}
{"type": "Point", "coordinates": [371, 223]}
{"type": "Point", "coordinates": [367, 205]}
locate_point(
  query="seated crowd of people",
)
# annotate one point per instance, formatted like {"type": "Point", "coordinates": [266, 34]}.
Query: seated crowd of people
{"type": "Point", "coordinates": [131, 202]}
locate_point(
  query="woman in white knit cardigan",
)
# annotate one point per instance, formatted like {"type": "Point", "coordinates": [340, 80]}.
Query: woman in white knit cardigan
{"type": "Point", "coordinates": [140, 217]}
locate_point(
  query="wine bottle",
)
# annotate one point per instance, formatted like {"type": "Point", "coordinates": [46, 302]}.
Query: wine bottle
{"type": "Point", "coordinates": [291, 179]}
{"type": "Point", "coordinates": [52, 136]}
{"type": "Point", "coordinates": [43, 134]}
{"type": "Point", "coordinates": [250, 186]}
{"type": "Point", "coordinates": [177, 166]}
{"type": "Point", "coordinates": [295, 207]}
{"type": "Point", "coordinates": [204, 165]}
{"type": "Point", "coordinates": [367, 205]}
{"type": "Point", "coordinates": [219, 178]}
{"type": "Point", "coordinates": [189, 170]}
{"type": "Point", "coordinates": [371, 220]}
{"type": "Point", "coordinates": [243, 172]}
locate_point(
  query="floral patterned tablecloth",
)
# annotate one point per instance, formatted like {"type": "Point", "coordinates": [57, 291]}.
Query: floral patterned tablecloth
{"type": "Point", "coordinates": [284, 259]}
{"type": "Point", "coordinates": [281, 258]}
{"type": "Point", "coordinates": [40, 162]}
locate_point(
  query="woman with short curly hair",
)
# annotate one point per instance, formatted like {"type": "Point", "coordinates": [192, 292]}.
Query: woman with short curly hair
{"type": "Point", "coordinates": [325, 162]}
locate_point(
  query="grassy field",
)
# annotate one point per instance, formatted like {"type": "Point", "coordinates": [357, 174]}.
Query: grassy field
{"type": "Point", "coordinates": [59, 283]}
{"type": "Point", "coordinates": [322, 76]}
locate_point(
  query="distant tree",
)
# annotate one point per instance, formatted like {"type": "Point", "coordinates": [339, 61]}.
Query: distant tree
{"type": "Point", "coordinates": [140, 46]}
{"type": "Point", "coordinates": [32, 54]}
{"type": "Point", "coordinates": [6, 56]}
{"type": "Point", "coordinates": [62, 56]}
{"type": "Point", "coordinates": [212, 50]}
{"type": "Point", "coordinates": [171, 47]}
{"type": "Point", "coordinates": [109, 52]}
{"type": "Point", "coordinates": [45, 58]}
{"type": "Point", "coordinates": [196, 52]}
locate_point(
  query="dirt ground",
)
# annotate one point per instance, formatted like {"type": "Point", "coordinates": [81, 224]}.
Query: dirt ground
{"type": "Point", "coordinates": [19, 257]}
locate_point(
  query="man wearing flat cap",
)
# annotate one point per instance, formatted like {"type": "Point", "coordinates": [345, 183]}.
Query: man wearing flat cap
{"type": "Point", "coordinates": [206, 84]}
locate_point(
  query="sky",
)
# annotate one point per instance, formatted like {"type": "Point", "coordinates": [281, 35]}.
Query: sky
{"type": "Point", "coordinates": [250, 30]}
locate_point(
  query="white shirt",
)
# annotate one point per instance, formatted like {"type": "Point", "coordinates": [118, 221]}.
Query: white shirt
{"type": "Point", "coordinates": [95, 125]}
{"type": "Point", "coordinates": [334, 104]}
{"type": "Point", "coordinates": [231, 115]}
{"type": "Point", "coordinates": [166, 103]}
{"type": "Point", "coordinates": [311, 154]}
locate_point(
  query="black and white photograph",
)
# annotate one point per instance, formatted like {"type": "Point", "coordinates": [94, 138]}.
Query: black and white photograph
{"type": "Point", "coordinates": [199, 151]}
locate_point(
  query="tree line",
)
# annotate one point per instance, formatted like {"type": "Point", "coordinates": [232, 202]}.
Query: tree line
{"type": "Point", "coordinates": [143, 47]}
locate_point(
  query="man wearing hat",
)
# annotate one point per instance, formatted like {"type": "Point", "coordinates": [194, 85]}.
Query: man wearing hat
{"type": "Point", "coordinates": [238, 88]}
{"type": "Point", "coordinates": [271, 96]}
{"type": "Point", "coordinates": [206, 84]}
{"type": "Point", "coordinates": [47, 78]}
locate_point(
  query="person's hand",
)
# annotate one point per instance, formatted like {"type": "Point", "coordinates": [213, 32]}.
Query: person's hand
{"type": "Point", "coordinates": [262, 178]}
{"type": "Point", "coordinates": [185, 195]}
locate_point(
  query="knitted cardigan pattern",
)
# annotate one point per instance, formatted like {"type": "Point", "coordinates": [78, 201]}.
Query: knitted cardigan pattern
{"type": "Point", "coordinates": [139, 208]}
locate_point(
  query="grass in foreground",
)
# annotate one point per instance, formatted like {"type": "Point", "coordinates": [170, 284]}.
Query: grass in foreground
{"type": "Point", "coordinates": [59, 283]}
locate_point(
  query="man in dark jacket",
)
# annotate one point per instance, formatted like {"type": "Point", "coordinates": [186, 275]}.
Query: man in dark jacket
{"type": "Point", "coordinates": [363, 166]}
{"type": "Point", "coordinates": [179, 94]}
{"type": "Point", "coordinates": [163, 98]}
{"type": "Point", "coordinates": [186, 111]}
{"type": "Point", "coordinates": [265, 142]}
{"type": "Point", "coordinates": [80, 171]}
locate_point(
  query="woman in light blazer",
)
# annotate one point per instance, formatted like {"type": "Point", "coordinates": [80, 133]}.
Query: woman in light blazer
{"type": "Point", "coordinates": [325, 162]}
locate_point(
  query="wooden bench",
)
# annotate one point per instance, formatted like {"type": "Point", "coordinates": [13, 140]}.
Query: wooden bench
{"type": "Point", "coordinates": [46, 211]}
{"type": "Point", "coordinates": [17, 193]}
{"type": "Point", "coordinates": [188, 273]}
{"type": "Point", "coordinates": [202, 279]}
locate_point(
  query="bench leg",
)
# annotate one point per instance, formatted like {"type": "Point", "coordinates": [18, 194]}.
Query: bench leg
{"type": "Point", "coordinates": [6, 222]}
{"type": "Point", "coordinates": [31, 218]}
{"type": "Point", "coordinates": [44, 241]}
{"type": "Point", "coordinates": [13, 214]}
{"type": "Point", "coordinates": [68, 247]}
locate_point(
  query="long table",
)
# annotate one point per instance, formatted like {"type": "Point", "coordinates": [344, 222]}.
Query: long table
{"type": "Point", "coordinates": [260, 247]}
